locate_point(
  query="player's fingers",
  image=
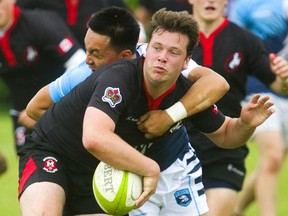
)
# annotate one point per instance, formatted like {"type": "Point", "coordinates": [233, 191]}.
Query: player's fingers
{"type": "Point", "coordinates": [255, 98]}
{"type": "Point", "coordinates": [268, 104]}
{"type": "Point", "coordinates": [143, 118]}
{"type": "Point", "coordinates": [150, 135]}
{"type": "Point", "coordinates": [142, 199]}
{"type": "Point", "coordinates": [263, 100]}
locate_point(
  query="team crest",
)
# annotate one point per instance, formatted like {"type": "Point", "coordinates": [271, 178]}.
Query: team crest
{"type": "Point", "coordinates": [233, 62]}
{"type": "Point", "coordinates": [183, 197]}
{"type": "Point", "coordinates": [50, 164]}
{"type": "Point", "coordinates": [112, 96]}
{"type": "Point", "coordinates": [31, 54]}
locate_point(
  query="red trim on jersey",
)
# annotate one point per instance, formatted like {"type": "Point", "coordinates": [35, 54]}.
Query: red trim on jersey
{"type": "Point", "coordinates": [5, 43]}
{"type": "Point", "coordinates": [29, 169]}
{"type": "Point", "coordinates": [208, 42]}
{"type": "Point", "coordinates": [154, 104]}
{"type": "Point", "coordinates": [72, 11]}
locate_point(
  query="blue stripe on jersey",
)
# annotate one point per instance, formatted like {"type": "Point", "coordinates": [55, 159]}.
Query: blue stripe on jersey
{"type": "Point", "coordinates": [194, 200]}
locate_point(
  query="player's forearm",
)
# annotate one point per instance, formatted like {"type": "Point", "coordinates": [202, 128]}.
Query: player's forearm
{"type": "Point", "coordinates": [237, 133]}
{"type": "Point", "coordinates": [110, 148]}
{"type": "Point", "coordinates": [38, 105]}
{"type": "Point", "coordinates": [234, 132]}
{"type": "Point", "coordinates": [207, 89]}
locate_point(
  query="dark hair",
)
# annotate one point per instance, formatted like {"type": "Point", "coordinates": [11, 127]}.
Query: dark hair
{"type": "Point", "coordinates": [119, 24]}
{"type": "Point", "coordinates": [173, 21]}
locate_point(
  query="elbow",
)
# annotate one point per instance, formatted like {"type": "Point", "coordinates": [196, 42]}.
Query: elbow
{"type": "Point", "coordinates": [225, 85]}
{"type": "Point", "coordinates": [88, 143]}
{"type": "Point", "coordinates": [93, 144]}
{"type": "Point", "coordinates": [30, 112]}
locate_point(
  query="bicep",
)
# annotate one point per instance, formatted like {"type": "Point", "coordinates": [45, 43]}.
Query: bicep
{"type": "Point", "coordinates": [97, 120]}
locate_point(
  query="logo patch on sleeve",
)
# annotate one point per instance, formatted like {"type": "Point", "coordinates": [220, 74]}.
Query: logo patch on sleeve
{"type": "Point", "coordinates": [50, 164]}
{"type": "Point", "coordinates": [112, 96]}
{"type": "Point", "coordinates": [65, 45]}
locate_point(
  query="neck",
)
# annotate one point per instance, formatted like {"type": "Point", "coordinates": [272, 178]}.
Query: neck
{"type": "Point", "coordinates": [208, 27]}
{"type": "Point", "coordinates": [4, 28]}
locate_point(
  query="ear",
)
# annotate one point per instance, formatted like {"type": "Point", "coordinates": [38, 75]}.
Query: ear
{"type": "Point", "coordinates": [186, 62]}
{"type": "Point", "coordinates": [126, 54]}
{"type": "Point", "coordinates": [190, 2]}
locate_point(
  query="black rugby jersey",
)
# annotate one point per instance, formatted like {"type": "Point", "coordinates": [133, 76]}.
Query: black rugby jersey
{"type": "Point", "coordinates": [33, 52]}
{"type": "Point", "coordinates": [234, 53]}
{"type": "Point", "coordinates": [175, 5]}
{"type": "Point", "coordinates": [117, 89]}
{"type": "Point", "coordinates": [75, 13]}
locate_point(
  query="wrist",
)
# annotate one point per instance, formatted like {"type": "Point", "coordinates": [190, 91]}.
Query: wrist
{"type": "Point", "coordinates": [177, 112]}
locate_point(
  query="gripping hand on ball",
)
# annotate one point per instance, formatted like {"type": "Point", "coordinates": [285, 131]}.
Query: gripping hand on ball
{"type": "Point", "coordinates": [149, 188]}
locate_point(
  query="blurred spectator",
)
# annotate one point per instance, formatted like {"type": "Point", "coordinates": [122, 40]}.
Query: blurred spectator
{"type": "Point", "coordinates": [268, 20]}
{"type": "Point", "coordinates": [36, 48]}
{"type": "Point", "coordinates": [76, 13]}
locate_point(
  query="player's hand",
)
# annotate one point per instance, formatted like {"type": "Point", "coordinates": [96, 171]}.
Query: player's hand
{"type": "Point", "coordinates": [279, 66]}
{"type": "Point", "coordinates": [149, 188]}
{"type": "Point", "coordinates": [25, 120]}
{"type": "Point", "coordinates": [256, 111]}
{"type": "Point", "coordinates": [154, 123]}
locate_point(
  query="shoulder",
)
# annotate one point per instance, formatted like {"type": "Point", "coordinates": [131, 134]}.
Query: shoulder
{"type": "Point", "coordinates": [126, 69]}
{"type": "Point", "coordinates": [240, 32]}
{"type": "Point", "coordinates": [41, 18]}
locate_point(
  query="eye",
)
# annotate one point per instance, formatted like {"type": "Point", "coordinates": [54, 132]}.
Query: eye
{"type": "Point", "coordinates": [156, 48]}
{"type": "Point", "coordinates": [97, 55]}
{"type": "Point", "coordinates": [174, 52]}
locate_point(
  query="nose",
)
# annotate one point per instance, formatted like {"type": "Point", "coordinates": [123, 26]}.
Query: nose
{"type": "Point", "coordinates": [162, 57]}
{"type": "Point", "coordinates": [89, 61]}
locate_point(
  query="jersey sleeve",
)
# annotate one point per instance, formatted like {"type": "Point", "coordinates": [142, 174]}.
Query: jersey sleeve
{"type": "Point", "coordinates": [141, 49]}
{"type": "Point", "coordinates": [114, 90]}
{"type": "Point", "coordinates": [208, 120]}
{"type": "Point", "coordinates": [55, 38]}
{"type": "Point", "coordinates": [65, 83]}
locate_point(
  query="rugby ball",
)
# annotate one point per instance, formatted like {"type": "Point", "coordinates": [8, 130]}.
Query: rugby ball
{"type": "Point", "coordinates": [116, 190]}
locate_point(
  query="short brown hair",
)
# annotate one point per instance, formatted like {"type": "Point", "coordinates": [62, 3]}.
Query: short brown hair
{"type": "Point", "coordinates": [175, 21]}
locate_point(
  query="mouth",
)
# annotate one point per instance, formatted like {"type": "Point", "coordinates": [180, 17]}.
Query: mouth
{"type": "Point", "coordinates": [159, 69]}
{"type": "Point", "coordinates": [210, 8]}
{"type": "Point", "coordinates": [91, 68]}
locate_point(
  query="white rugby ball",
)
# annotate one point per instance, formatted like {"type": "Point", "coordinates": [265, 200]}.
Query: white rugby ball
{"type": "Point", "coordinates": [116, 190]}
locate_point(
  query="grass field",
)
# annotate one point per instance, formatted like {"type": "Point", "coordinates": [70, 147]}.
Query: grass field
{"type": "Point", "coordinates": [8, 181]}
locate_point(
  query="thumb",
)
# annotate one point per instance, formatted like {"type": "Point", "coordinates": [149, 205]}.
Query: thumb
{"type": "Point", "coordinates": [143, 118]}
